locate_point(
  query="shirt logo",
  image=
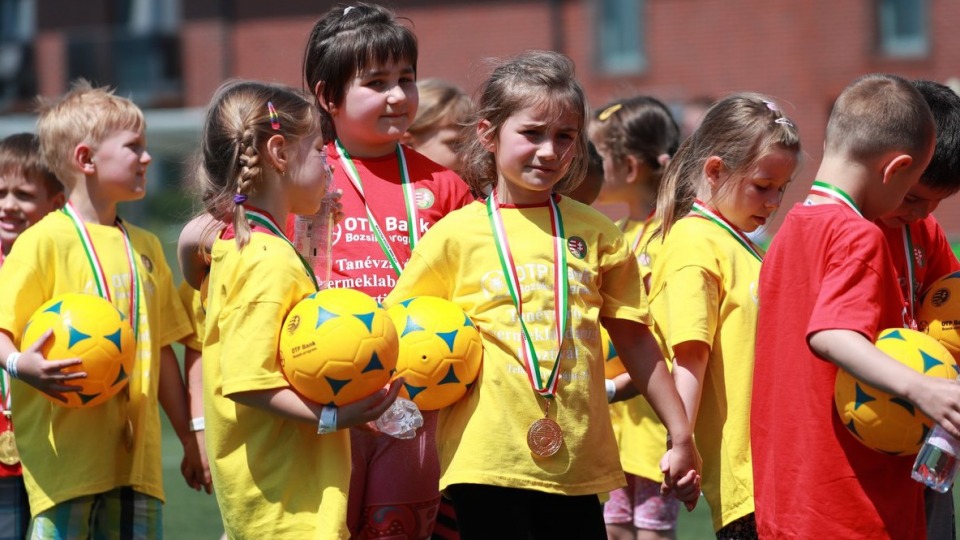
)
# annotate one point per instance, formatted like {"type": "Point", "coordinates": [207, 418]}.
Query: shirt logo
{"type": "Point", "coordinates": [577, 247]}
{"type": "Point", "coordinates": [147, 263]}
{"type": "Point", "coordinates": [424, 197]}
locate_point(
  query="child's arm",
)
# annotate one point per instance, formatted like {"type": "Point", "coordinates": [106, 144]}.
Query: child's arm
{"type": "Point", "coordinates": [193, 367]}
{"type": "Point", "coordinates": [32, 368]}
{"type": "Point", "coordinates": [190, 246]}
{"type": "Point", "coordinates": [853, 352]}
{"type": "Point", "coordinates": [647, 368]}
{"type": "Point", "coordinates": [624, 388]}
{"type": "Point", "coordinates": [173, 398]}
{"type": "Point", "coordinates": [689, 366]}
{"type": "Point", "coordinates": [289, 404]}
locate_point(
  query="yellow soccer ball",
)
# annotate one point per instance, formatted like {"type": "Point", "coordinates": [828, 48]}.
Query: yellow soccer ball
{"type": "Point", "coordinates": [338, 346]}
{"type": "Point", "coordinates": [939, 312]}
{"type": "Point", "coordinates": [440, 351]}
{"type": "Point", "coordinates": [881, 421]}
{"type": "Point", "coordinates": [612, 366]}
{"type": "Point", "coordinates": [92, 329]}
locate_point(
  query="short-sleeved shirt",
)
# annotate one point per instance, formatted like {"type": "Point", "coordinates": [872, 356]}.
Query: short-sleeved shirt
{"type": "Point", "coordinates": [190, 298]}
{"type": "Point", "coordinates": [69, 453]}
{"type": "Point", "coordinates": [273, 477]}
{"type": "Point", "coordinates": [827, 268]}
{"type": "Point", "coordinates": [482, 439]}
{"type": "Point", "coordinates": [704, 288]}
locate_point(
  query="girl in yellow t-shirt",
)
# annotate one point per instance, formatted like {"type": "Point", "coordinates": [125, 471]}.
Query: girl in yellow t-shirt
{"type": "Point", "coordinates": [726, 180]}
{"type": "Point", "coordinates": [636, 138]}
{"type": "Point", "coordinates": [263, 157]}
{"type": "Point", "coordinates": [529, 448]}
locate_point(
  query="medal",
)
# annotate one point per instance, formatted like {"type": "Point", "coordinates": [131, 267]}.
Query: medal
{"type": "Point", "coordinates": [8, 449]}
{"type": "Point", "coordinates": [544, 437]}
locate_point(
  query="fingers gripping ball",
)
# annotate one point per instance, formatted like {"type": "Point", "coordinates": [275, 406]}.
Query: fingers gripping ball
{"type": "Point", "coordinates": [612, 366]}
{"type": "Point", "coordinates": [338, 346]}
{"type": "Point", "coordinates": [939, 312]}
{"type": "Point", "coordinates": [92, 329]}
{"type": "Point", "coordinates": [884, 422]}
{"type": "Point", "coordinates": [440, 351]}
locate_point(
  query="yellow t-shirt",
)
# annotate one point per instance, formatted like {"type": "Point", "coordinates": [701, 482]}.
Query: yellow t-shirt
{"type": "Point", "coordinates": [641, 436]}
{"type": "Point", "coordinates": [190, 298]}
{"type": "Point", "coordinates": [274, 478]}
{"type": "Point", "coordinates": [704, 288]}
{"type": "Point", "coordinates": [68, 453]}
{"type": "Point", "coordinates": [482, 438]}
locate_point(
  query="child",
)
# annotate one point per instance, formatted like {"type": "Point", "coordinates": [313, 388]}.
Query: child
{"type": "Point", "coordinates": [193, 370]}
{"type": "Point", "coordinates": [28, 191]}
{"type": "Point", "coordinates": [263, 158]}
{"type": "Point", "coordinates": [921, 252]}
{"type": "Point", "coordinates": [827, 288]}
{"type": "Point", "coordinates": [726, 180]}
{"type": "Point", "coordinates": [515, 459]}
{"type": "Point", "coordinates": [95, 471]}
{"type": "Point", "coordinates": [361, 64]}
{"type": "Point", "coordinates": [636, 138]}
{"type": "Point", "coordinates": [436, 130]}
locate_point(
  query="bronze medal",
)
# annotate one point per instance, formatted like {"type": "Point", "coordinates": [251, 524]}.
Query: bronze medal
{"type": "Point", "coordinates": [8, 448]}
{"type": "Point", "coordinates": [128, 434]}
{"type": "Point", "coordinates": [544, 437]}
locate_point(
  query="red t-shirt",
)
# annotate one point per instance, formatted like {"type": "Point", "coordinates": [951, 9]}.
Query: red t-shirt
{"type": "Point", "coordinates": [827, 268]}
{"type": "Point", "coordinates": [6, 470]}
{"type": "Point", "coordinates": [933, 257]}
{"type": "Point", "coordinates": [358, 261]}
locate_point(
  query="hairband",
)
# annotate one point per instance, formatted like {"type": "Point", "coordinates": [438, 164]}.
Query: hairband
{"type": "Point", "coordinates": [274, 117]}
{"type": "Point", "coordinates": [771, 105]}
{"type": "Point", "coordinates": [784, 121]}
{"type": "Point", "coordinates": [608, 112]}
{"type": "Point", "coordinates": [239, 198]}
{"type": "Point", "coordinates": [347, 10]}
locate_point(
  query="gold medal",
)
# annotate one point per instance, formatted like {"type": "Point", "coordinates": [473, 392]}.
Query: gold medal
{"type": "Point", "coordinates": [544, 437]}
{"type": "Point", "coordinates": [128, 434]}
{"type": "Point", "coordinates": [8, 448]}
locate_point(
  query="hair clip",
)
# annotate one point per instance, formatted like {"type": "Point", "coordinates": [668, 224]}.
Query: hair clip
{"type": "Point", "coordinates": [783, 121]}
{"type": "Point", "coordinates": [239, 198]}
{"type": "Point", "coordinates": [347, 10]}
{"type": "Point", "coordinates": [608, 112]}
{"type": "Point", "coordinates": [274, 117]}
{"type": "Point", "coordinates": [772, 106]}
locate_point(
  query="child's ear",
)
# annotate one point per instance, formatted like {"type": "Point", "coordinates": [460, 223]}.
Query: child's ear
{"type": "Point", "coordinates": [277, 153]}
{"type": "Point", "coordinates": [83, 158]}
{"type": "Point", "coordinates": [895, 166]}
{"type": "Point", "coordinates": [712, 169]}
{"type": "Point", "coordinates": [330, 107]}
{"type": "Point", "coordinates": [633, 169]}
{"type": "Point", "coordinates": [486, 135]}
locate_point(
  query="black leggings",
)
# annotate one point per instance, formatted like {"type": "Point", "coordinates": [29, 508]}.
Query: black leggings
{"type": "Point", "coordinates": [485, 512]}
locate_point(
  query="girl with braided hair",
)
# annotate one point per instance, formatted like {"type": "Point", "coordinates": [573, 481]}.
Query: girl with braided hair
{"type": "Point", "coordinates": [262, 158]}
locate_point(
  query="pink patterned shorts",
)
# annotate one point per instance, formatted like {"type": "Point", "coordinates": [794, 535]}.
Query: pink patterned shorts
{"type": "Point", "coordinates": [641, 504]}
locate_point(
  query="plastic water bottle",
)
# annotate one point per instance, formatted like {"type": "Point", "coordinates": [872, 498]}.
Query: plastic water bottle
{"type": "Point", "coordinates": [936, 464]}
{"type": "Point", "coordinates": [313, 238]}
{"type": "Point", "coordinates": [401, 420]}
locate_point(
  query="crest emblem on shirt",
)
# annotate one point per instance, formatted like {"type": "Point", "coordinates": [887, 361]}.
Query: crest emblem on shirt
{"type": "Point", "coordinates": [918, 257]}
{"type": "Point", "coordinates": [425, 198]}
{"type": "Point", "coordinates": [577, 247]}
{"type": "Point", "coordinates": [147, 263]}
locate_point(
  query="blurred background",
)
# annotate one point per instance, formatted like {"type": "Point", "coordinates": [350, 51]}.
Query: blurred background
{"type": "Point", "coordinates": [170, 55]}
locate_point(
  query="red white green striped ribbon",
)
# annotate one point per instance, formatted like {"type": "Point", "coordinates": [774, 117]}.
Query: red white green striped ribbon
{"type": "Point", "coordinates": [911, 275]}
{"type": "Point", "coordinates": [646, 223]}
{"type": "Point", "coordinates": [409, 202]}
{"type": "Point", "coordinates": [531, 362]}
{"type": "Point", "coordinates": [267, 223]}
{"type": "Point", "coordinates": [834, 193]}
{"type": "Point", "coordinates": [701, 209]}
{"type": "Point", "coordinates": [100, 278]}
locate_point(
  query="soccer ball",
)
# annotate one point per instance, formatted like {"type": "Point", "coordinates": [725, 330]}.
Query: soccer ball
{"type": "Point", "coordinates": [612, 366]}
{"type": "Point", "coordinates": [881, 421]}
{"type": "Point", "coordinates": [939, 312]}
{"type": "Point", "coordinates": [338, 346]}
{"type": "Point", "coordinates": [92, 329]}
{"type": "Point", "coordinates": [440, 351]}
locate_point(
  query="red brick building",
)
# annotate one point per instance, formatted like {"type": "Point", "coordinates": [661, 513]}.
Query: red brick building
{"type": "Point", "coordinates": [171, 54]}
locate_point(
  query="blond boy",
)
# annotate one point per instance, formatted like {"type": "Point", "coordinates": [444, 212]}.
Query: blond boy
{"type": "Point", "coordinates": [94, 471]}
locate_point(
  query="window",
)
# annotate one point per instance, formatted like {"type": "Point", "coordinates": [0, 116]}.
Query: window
{"type": "Point", "coordinates": [620, 31]}
{"type": "Point", "coordinates": [902, 28]}
{"type": "Point", "coordinates": [18, 77]}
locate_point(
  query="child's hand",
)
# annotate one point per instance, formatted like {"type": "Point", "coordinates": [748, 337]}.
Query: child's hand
{"type": "Point", "coordinates": [47, 375]}
{"type": "Point", "coordinates": [940, 400]}
{"type": "Point", "coordinates": [194, 466]}
{"type": "Point", "coordinates": [681, 477]}
{"type": "Point", "coordinates": [369, 408]}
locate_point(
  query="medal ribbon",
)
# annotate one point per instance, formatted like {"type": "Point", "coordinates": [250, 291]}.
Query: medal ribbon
{"type": "Point", "coordinates": [409, 202]}
{"type": "Point", "coordinates": [700, 209]}
{"type": "Point", "coordinates": [561, 289]}
{"type": "Point", "coordinates": [911, 272]}
{"type": "Point", "coordinates": [4, 391]}
{"type": "Point", "coordinates": [100, 277]}
{"type": "Point", "coordinates": [834, 193]}
{"type": "Point", "coordinates": [267, 223]}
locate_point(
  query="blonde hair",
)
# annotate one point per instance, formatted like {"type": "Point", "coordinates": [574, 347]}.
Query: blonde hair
{"type": "Point", "coordinates": [739, 129]}
{"type": "Point", "coordinates": [83, 115]}
{"type": "Point", "coordinates": [530, 79]}
{"type": "Point", "coordinates": [238, 125]}
{"type": "Point", "coordinates": [441, 104]}
{"type": "Point", "coordinates": [877, 114]}
{"type": "Point", "coordinates": [20, 159]}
